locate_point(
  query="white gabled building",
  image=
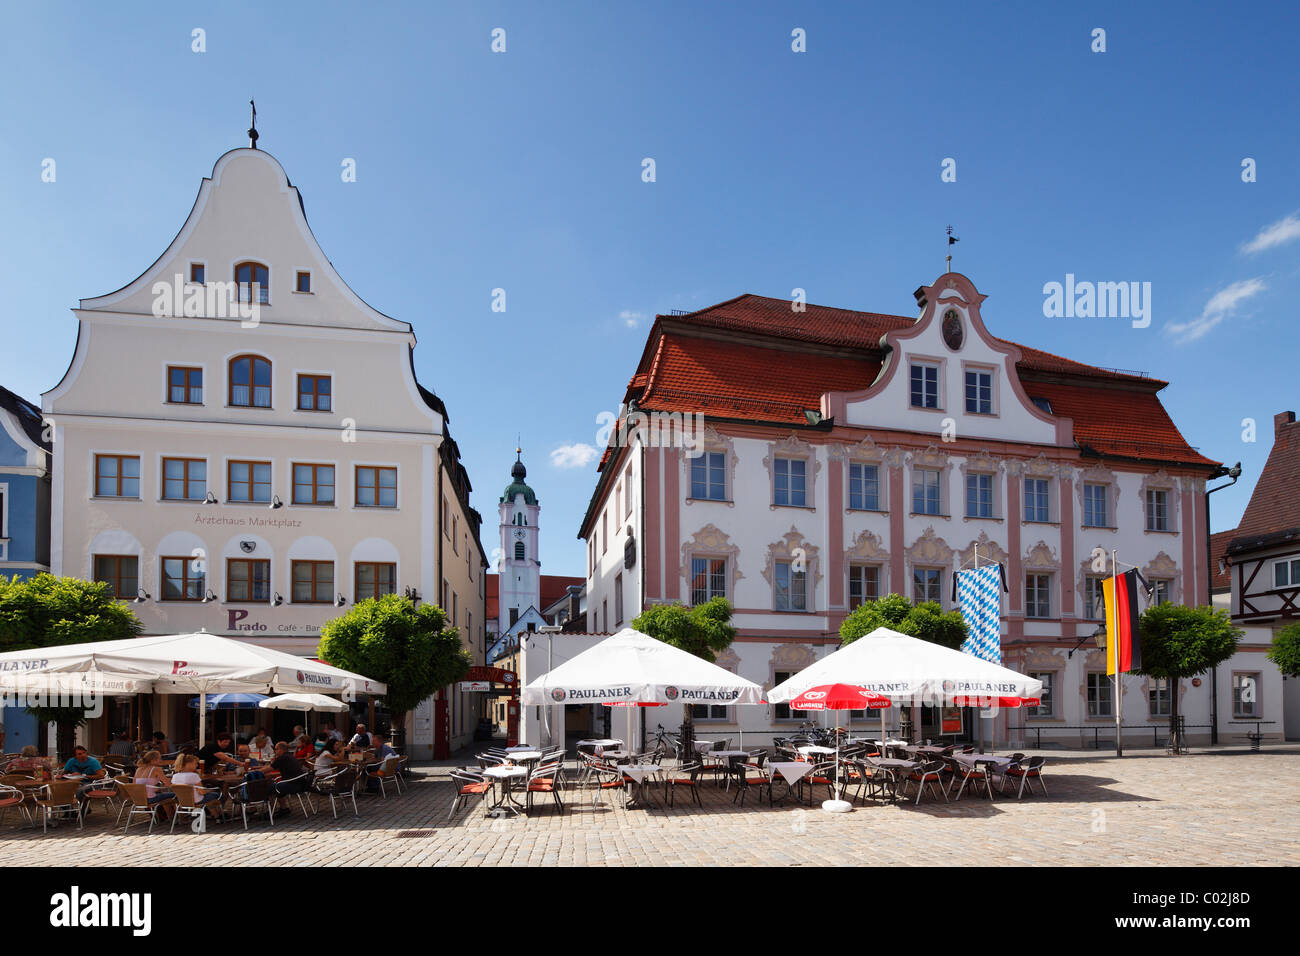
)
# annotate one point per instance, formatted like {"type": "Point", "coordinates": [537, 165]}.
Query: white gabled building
{"type": "Point", "coordinates": [825, 456]}
{"type": "Point", "coordinates": [243, 445]}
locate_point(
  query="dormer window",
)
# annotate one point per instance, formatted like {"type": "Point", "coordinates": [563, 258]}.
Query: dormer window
{"type": "Point", "coordinates": [249, 275]}
{"type": "Point", "coordinates": [979, 391]}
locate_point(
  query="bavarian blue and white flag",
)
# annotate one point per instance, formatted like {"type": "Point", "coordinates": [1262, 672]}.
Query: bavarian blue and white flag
{"type": "Point", "coordinates": [979, 592]}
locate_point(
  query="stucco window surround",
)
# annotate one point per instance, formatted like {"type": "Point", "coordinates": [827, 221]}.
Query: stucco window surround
{"type": "Point", "coordinates": [794, 549]}
{"type": "Point", "coordinates": [710, 542]}
{"type": "Point", "coordinates": [983, 464]}
{"type": "Point", "coordinates": [995, 398]}
{"type": "Point", "coordinates": [716, 443]}
{"type": "Point", "coordinates": [793, 448]}
{"type": "Point", "coordinates": [1044, 660]}
{"type": "Point", "coordinates": [1098, 475]}
{"type": "Point", "coordinates": [1081, 586]}
{"type": "Point", "coordinates": [938, 362]}
{"type": "Point", "coordinates": [1148, 685]}
{"type": "Point", "coordinates": [930, 551]}
{"type": "Point", "coordinates": [1157, 482]}
{"type": "Point", "coordinates": [1094, 662]}
{"type": "Point", "coordinates": [990, 552]}
{"type": "Point", "coordinates": [1041, 558]}
{"type": "Point", "coordinates": [868, 454]}
{"type": "Point", "coordinates": [1164, 568]}
{"type": "Point", "coordinates": [866, 550]}
{"type": "Point", "coordinates": [789, 659]}
{"type": "Point", "coordinates": [1040, 469]}
{"type": "Point", "coordinates": [932, 459]}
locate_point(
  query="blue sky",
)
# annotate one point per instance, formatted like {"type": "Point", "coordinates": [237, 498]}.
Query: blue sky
{"type": "Point", "coordinates": [775, 170]}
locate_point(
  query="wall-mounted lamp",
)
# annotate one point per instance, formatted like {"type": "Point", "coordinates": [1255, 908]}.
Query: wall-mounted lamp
{"type": "Point", "coordinates": [411, 594]}
{"type": "Point", "coordinates": [340, 601]}
{"type": "Point", "coordinates": [141, 596]}
{"type": "Point", "coordinates": [276, 502]}
{"type": "Point", "coordinates": [277, 600]}
{"type": "Point", "coordinates": [211, 499]}
{"type": "Point", "coordinates": [208, 598]}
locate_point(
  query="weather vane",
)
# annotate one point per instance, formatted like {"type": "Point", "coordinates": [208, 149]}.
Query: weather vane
{"type": "Point", "coordinates": [252, 130]}
{"type": "Point", "coordinates": [951, 240]}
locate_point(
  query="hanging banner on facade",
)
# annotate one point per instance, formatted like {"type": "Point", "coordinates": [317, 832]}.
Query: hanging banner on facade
{"type": "Point", "coordinates": [979, 591]}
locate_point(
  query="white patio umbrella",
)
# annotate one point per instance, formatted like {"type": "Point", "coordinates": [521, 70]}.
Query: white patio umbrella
{"type": "Point", "coordinates": [632, 667]}
{"type": "Point", "coordinates": [185, 664]}
{"type": "Point", "coordinates": [305, 703]}
{"type": "Point", "coordinates": [906, 668]}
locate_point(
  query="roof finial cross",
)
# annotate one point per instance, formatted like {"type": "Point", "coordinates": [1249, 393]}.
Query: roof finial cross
{"type": "Point", "coordinates": [252, 130]}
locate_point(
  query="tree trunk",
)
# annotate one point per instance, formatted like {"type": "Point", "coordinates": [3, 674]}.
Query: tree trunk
{"type": "Point", "coordinates": [65, 737]}
{"type": "Point", "coordinates": [1175, 725]}
{"type": "Point", "coordinates": [397, 731]}
{"type": "Point", "coordinates": [687, 743]}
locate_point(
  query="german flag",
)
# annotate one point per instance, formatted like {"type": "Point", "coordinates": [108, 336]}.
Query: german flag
{"type": "Point", "coordinates": [1123, 646]}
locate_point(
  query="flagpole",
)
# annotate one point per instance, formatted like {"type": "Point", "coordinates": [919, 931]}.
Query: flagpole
{"type": "Point", "coordinates": [1113, 653]}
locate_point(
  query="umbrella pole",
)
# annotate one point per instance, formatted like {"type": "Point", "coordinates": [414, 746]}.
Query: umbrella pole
{"type": "Point", "coordinates": [203, 718]}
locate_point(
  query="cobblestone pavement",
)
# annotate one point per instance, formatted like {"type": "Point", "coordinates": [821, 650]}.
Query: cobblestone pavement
{"type": "Point", "coordinates": [1230, 807]}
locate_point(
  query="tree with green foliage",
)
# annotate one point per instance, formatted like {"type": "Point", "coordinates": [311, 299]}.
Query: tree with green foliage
{"type": "Point", "coordinates": [704, 630]}
{"type": "Point", "coordinates": [47, 611]}
{"type": "Point", "coordinates": [927, 621]}
{"type": "Point", "coordinates": [1179, 642]}
{"type": "Point", "coordinates": [409, 647]}
{"type": "Point", "coordinates": [1285, 652]}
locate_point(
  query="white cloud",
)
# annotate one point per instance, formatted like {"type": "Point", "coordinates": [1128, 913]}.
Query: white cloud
{"type": "Point", "coordinates": [631, 319]}
{"type": "Point", "coordinates": [1274, 234]}
{"type": "Point", "coordinates": [577, 455]}
{"type": "Point", "coordinates": [1221, 305]}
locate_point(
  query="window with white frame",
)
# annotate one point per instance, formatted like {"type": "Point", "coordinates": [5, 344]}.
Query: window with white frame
{"type": "Point", "coordinates": [1158, 697]}
{"type": "Point", "coordinates": [925, 385]}
{"type": "Point", "coordinates": [864, 584]}
{"type": "Point", "coordinates": [1038, 595]}
{"type": "Point", "coordinates": [709, 476]}
{"type": "Point", "coordinates": [1037, 503]}
{"type": "Point", "coordinates": [1094, 603]}
{"type": "Point", "coordinates": [927, 584]}
{"type": "Point", "coordinates": [1161, 589]}
{"type": "Point", "coordinates": [1245, 695]}
{"type": "Point", "coordinates": [979, 496]}
{"type": "Point", "coordinates": [708, 578]}
{"type": "Point", "coordinates": [1099, 695]}
{"type": "Point", "coordinates": [926, 499]}
{"type": "Point", "coordinates": [1094, 505]}
{"type": "Point", "coordinates": [790, 487]}
{"type": "Point", "coordinates": [979, 391]}
{"type": "Point", "coordinates": [1046, 696]}
{"type": "Point", "coordinates": [864, 487]}
{"type": "Point", "coordinates": [1157, 509]}
{"type": "Point", "coordinates": [1286, 573]}
{"type": "Point", "coordinates": [790, 588]}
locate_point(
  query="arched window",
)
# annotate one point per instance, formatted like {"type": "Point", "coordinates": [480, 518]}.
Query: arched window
{"type": "Point", "coordinates": [519, 551]}
{"type": "Point", "coordinates": [520, 519]}
{"type": "Point", "coordinates": [249, 274]}
{"type": "Point", "coordinates": [250, 381]}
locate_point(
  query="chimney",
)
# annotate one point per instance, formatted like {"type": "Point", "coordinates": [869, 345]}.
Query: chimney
{"type": "Point", "coordinates": [1280, 419]}
{"type": "Point", "coordinates": [575, 602]}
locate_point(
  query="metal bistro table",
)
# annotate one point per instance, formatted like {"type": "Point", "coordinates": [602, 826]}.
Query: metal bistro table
{"type": "Point", "coordinates": [640, 774]}
{"type": "Point", "coordinates": [786, 775]}
{"type": "Point", "coordinates": [895, 763]}
{"type": "Point", "coordinates": [991, 763]}
{"type": "Point", "coordinates": [503, 776]}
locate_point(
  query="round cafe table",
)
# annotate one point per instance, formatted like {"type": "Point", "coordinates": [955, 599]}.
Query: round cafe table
{"type": "Point", "coordinates": [503, 776]}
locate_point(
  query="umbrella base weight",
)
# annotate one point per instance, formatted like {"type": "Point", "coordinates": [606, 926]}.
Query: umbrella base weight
{"type": "Point", "coordinates": [836, 806]}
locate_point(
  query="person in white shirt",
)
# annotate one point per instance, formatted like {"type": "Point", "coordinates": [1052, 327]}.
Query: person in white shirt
{"type": "Point", "coordinates": [186, 772]}
{"type": "Point", "coordinates": [360, 738]}
{"type": "Point", "coordinates": [261, 746]}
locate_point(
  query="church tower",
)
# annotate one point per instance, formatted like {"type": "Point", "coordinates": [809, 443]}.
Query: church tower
{"type": "Point", "coordinates": [520, 570]}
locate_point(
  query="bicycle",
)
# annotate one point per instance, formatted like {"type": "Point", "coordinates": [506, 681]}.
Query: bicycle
{"type": "Point", "coordinates": [667, 741]}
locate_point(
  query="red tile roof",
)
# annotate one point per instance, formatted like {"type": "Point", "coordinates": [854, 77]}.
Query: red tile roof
{"type": "Point", "coordinates": [1274, 509]}
{"type": "Point", "coordinates": [756, 377]}
{"type": "Point", "coordinates": [554, 587]}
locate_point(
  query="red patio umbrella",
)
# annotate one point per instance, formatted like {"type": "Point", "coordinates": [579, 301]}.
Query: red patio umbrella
{"type": "Point", "coordinates": [838, 697]}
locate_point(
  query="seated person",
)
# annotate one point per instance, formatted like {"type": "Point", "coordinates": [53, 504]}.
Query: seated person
{"type": "Point", "coordinates": [261, 746]}
{"type": "Point", "coordinates": [330, 758]}
{"type": "Point", "coordinates": [289, 768]}
{"type": "Point", "coordinates": [218, 754]}
{"type": "Point", "coordinates": [185, 770]}
{"type": "Point", "coordinates": [83, 763]}
{"type": "Point", "coordinates": [122, 746]}
{"type": "Point", "coordinates": [160, 743]}
{"type": "Point", "coordinates": [382, 749]}
{"type": "Point", "coordinates": [305, 748]}
{"type": "Point", "coordinates": [360, 740]}
{"type": "Point", "coordinates": [29, 759]}
{"type": "Point", "coordinates": [149, 772]}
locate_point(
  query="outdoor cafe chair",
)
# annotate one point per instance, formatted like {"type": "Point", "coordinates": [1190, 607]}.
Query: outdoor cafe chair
{"type": "Point", "coordinates": [746, 777]}
{"type": "Point", "coordinates": [687, 776]}
{"type": "Point", "coordinates": [1029, 770]}
{"type": "Point", "coordinates": [102, 791]}
{"type": "Point", "coordinates": [468, 784]}
{"type": "Point", "coordinates": [545, 779]}
{"type": "Point", "coordinates": [821, 775]}
{"type": "Point", "coordinates": [384, 773]}
{"type": "Point", "coordinates": [187, 803]}
{"type": "Point", "coordinates": [135, 802]}
{"type": "Point", "coordinates": [338, 786]}
{"type": "Point", "coordinates": [605, 780]}
{"type": "Point", "coordinates": [255, 793]}
{"type": "Point", "coordinates": [975, 774]}
{"type": "Point", "coordinates": [489, 760]}
{"type": "Point", "coordinates": [13, 797]}
{"type": "Point", "coordinates": [928, 774]}
{"type": "Point", "coordinates": [60, 802]}
{"type": "Point", "coordinates": [303, 793]}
